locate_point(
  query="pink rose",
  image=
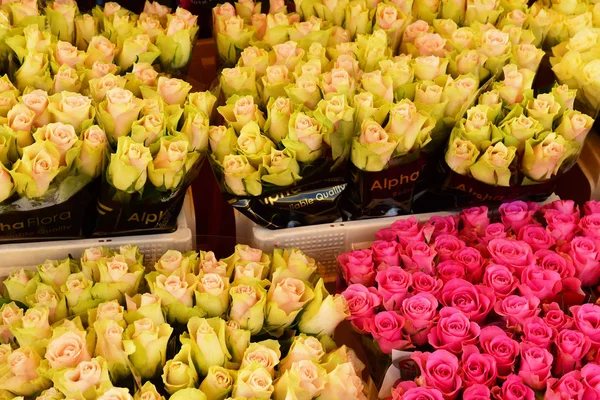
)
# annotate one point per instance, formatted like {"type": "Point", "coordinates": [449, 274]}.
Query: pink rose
{"type": "Point", "coordinates": [439, 370]}
{"type": "Point", "coordinates": [420, 393]}
{"type": "Point", "coordinates": [473, 262]}
{"type": "Point", "coordinates": [536, 236]}
{"type": "Point", "coordinates": [561, 226]}
{"type": "Point", "coordinates": [476, 218]}
{"type": "Point", "coordinates": [552, 261]}
{"type": "Point", "coordinates": [443, 225]}
{"type": "Point", "coordinates": [562, 207]}
{"type": "Point", "coordinates": [419, 312]}
{"type": "Point", "coordinates": [425, 283]}
{"type": "Point", "coordinates": [478, 369]}
{"type": "Point", "coordinates": [445, 245]}
{"type": "Point", "coordinates": [538, 333]}
{"type": "Point", "coordinates": [358, 267]}
{"type": "Point", "coordinates": [585, 255]}
{"type": "Point", "coordinates": [517, 214]}
{"type": "Point", "coordinates": [591, 207]}
{"type": "Point", "coordinates": [450, 269]}
{"type": "Point", "coordinates": [494, 231]}
{"type": "Point", "coordinates": [474, 301]}
{"type": "Point", "coordinates": [453, 330]}
{"type": "Point", "coordinates": [401, 388]}
{"type": "Point", "coordinates": [386, 328]}
{"type": "Point", "coordinates": [587, 320]}
{"type": "Point", "coordinates": [539, 282]}
{"type": "Point", "coordinates": [536, 365]}
{"type": "Point", "coordinates": [477, 392]}
{"type": "Point", "coordinates": [386, 252]}
{"type": "Point", "coordinates": [516, 309]}
{"type": "Point", "coordinates": [590, 377]}
{"type": "Point", "coordinates": [393, 284]}
{"type": "Point", "coordinates": [500, 280]}
{"type": "Point", "coordinates": [404, 230]}
{"type": "Point", "coordinates": [590, 225]}
{"type": "Point", "coordinates": [513, 389]}
{"type": "Point", "coordinates": [386, 235]}
{"type": "Point", "coordinates": [568, 387]}
{"type": "Point", "coordinates": [514, 254]}
{"type": "Point", "coordinates": [572, 346]}
{"type": "Point", "coordinates": [418, 256]}
{"type": "Point", "coordinates": [495, 342]}
{"type": "Point", "coordinates": [362, 303]}
{"type": "Point", "coordinates": [556, 318]}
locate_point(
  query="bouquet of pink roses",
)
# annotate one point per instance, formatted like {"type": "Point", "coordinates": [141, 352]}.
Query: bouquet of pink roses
{"type": "Point", "coordinates": [497, 304]}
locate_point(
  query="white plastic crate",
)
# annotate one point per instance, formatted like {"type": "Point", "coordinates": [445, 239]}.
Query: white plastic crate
{"type": "Point", "coordinates": [28, 255]}
{"type": "Point", "coordinates": [322, 242]}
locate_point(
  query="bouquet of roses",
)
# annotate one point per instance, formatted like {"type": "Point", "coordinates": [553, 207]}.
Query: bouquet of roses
{"type": "Point", "coordinates": [460, 288]}
{"type": "Point", "coordinates": [513, 143]}
{"type": "Point", "coordinates": [110, 34]}
{"type": "Point", "coordinates": [190, 327]}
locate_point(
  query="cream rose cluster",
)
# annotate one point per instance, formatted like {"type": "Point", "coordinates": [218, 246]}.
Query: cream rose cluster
{"type": "Point", "coordinates": [90, 328]}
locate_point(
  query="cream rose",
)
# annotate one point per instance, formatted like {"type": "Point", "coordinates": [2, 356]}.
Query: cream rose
{"type": "Point", "coordinates": [177, 287]}
{"type": "Point", "coordinates": [102, 68]}
{"type": "Point", "coordinates": [68, 54]}
{"type": "Point", "coordinates": [145, 73]}
{"type": "Point", "coordinates": [100, 49]}
{"type": "Point", "coordinates": [37, 101]}
{"type": "Point", "coordinates": [68, 350]}
{"type": "Point", "coordinates": [172, 90]}
{"type": "Point", "coordinates": [210, 265]}
{"type": "Point", "coordinates": [62, 135]}
{"type": "Point", "coordinates": [431, 44]}
{"type": "Point", "coordinates": [21, 119]}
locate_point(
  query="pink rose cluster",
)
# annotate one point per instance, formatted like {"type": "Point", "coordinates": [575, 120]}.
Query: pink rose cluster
{"type": "Point", "coordinates": [493, 309]}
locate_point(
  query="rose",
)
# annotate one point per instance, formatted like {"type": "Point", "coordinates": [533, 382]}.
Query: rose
{"type": "Point", "coordinates": [146, 74]}
{"type": "Point", "coordinates": [172, 90]}
{"type": "Point", "coordinates": [514, 389]}
{"type": "Point", "coordinates": [86, 27]}
{"type": "Point", "coordinates": [386, 252]}
{"type": "Point", "coordinates": [237, 341]}
{"type": "Point", "coordinates": [405, 231]}
{"type": "Point", "coordinates": [110, 345]}
{"type": "Point", "coordinates": [527, 56]}
{"type": "Point", "coordinates": [288, 54]}
{"type": "Point", "coordinates": [100, 86]}
{"type": "Point", "coordinates": [343, 381]}
{"type": "Point", "coordinates": [450, 269]}
{"type": "Point", "coordinates": [463, 39]}
{"type": "Point", "coordinates": [32, 330]}
{"type": "Point", "coordinates": [538, 333]}
{"type": "Point", "coordinates": [495, 342]}
{"type": "Point", "coordinates": [591, 207]}
{"type": "Point", "coordinates": [100, 49]}
{"type": "Point", "coordinates": [500, 279]}
{"type": "Point", "coordinates": [472, 260]}
{"type": "Point", "coordinates": [34, 72]}
{"type": "Point", "coordinates": [174, 289]}
{"type": "Point", "coordinates": [179, 373]}
{"type": "Point", "coordinates": [515, 254]}
{"type": "Point", "coordinates": [239, 80]}
{"type": "Point", "coordinates": [285, 300]}
{"type": "Point", "coordinates": [393, 285]}
{"type": "Point", "coordinates": [265, 354]}
{"type": "Point", "coordinates": [22, 378]}
{"type": "Point", "coordinates": [171, 163]}
{"type": "Point", "coordinates": [574, 125]}
{"type": "Point", "coordinates": [64, 137]}
{"type": "Point", "coordinates": [493, 231]}
{"type": "Point", "coordinates": [516, 84]}
{"type": "Point", "coordinates": [218, 383]}
{"type": "Point", "coordinates": [292, 263]}
{"type": "Point", "coordinates": [516, 310]}
{"type": "Point", "coordinates": [248, 305]}
{"type": "Point", "coordinates": [386, 329]}
{"type": "Point", "coordinates": [323, 313]}
{"type": "Point", "coordinates": [452, 331]}
{"type": "Point", "coordinates": [475, 218]}
{"type": "Point", "coordinates": [142, 306]}
{"type": "Point", "coordinates": [590, 225]}
{"type": "Point", "coordinates": [409, 127]}
{"type": "Point", "coordinates": [68, 54]}
{"type": "Point", "coordinates": [536, 364]}
{"type": "Point", "coordinates": [118, 112]}
{"type": "Point", "coordinates": [539, 282]}
{"type": "Point", "coordinates": [37, 101]}
{"type": "Point", "coordinates": [584, 317]}
{"type": "Point", "coordinates": [446, 245]}
{"type": "Point", "coordinates": [20, 120]}
{"type": "Point", "coordinates": [419, 393]}
{"type": "Point", "coordinates": [429, 67]}
{"type": "Point", "coordinates": [439, 370]}
{"type": "Point", "coordinates": [517, 214]}
{"type": "Point", "coordinates": [477, 392]}
{"type": "Point", "coordinates": [474, 301]}
{"type": "Point", "coordinates": [38, 166]}
{"type": "Point", "coordinates": [419, 311]}
{"type": "Point", "coordinates": [561, 226]}
{"type": "Point", "coordinates": [443, 225]}
{"type": "Point", "coordinates": [127, 167]}
{"type": "Point", "coordinates": [590, 379]}
{"type": "Point", "coordinates": [556, 318]}
{"type": "Point", "coordinates": [87, 377]}
{"type": "Point", "coordinates": [536, 236]}
{"type": "Point", "coordinates": [460, 90]}
{"type": "Point", "coordinates": [568, 386]}
{"type": "Point", "coordinates": [418, 256]}
{"type": "Point", "coordinates": [240, 111]}
{"type": "Point", "coordinates": [71, 108]}
{"type": "Point", "coordinates": [240, 176]}
{"type": "Point", "coordinates": [429, 44]}
{"type": "Point", "coordinates": [253, 383]}
{"type": "Point", "coordinates": [478, 368]}
{"type": "Point", "coordinates": [372, 150]}
{"type": "Point", "coordinates": [45, 295]}
{"type": "Point", "coordinates": [584, 253]}
{"type": "Point", "coordinates": [206, 340]}
{"type": "Point", "coordinates": [67, 349]}
{"type": "Point", "coordinates": [572, 347]}
{"type": "Point", "coordinates": [138, 48]}
{"type": "Point", "coordinates": [469, 62]}
{"type": "Point", "coordinates": [303, 348]}
{"type": "Point", "coordinates": [305, 379]}
{"type": "Point", "coordinates": [305, 136]}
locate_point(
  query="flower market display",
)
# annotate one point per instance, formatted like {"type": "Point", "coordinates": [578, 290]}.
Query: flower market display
{"type": "Point", "coordinates": [251, 326]}
{"type": "Point", "coordinates": [91, 96]}
{"type": "Point", "coordinates": [485, 307]}
{"type": "Point", "coordinates": [359, 99]}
